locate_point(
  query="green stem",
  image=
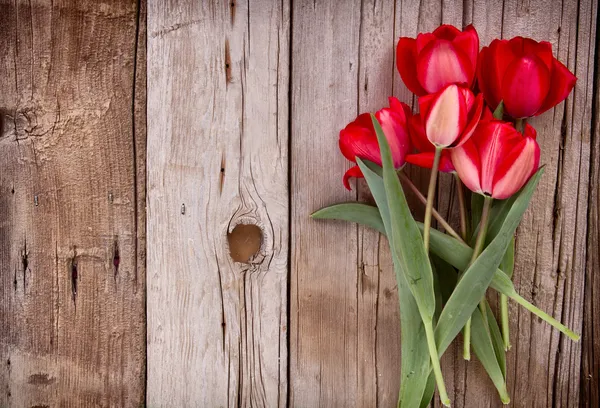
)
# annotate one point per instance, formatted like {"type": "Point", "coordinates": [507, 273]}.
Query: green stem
{"type": "Point", "coordinates": [430, 197]}
{"type": "Point", "coordinates": [467, 340]}
{"type": "Point", "coordinates": [479, 244]}
{"type": "Point", "coordinates": [504, 319]}
{"type": "Point", "coordinates": [435, 214]}
{"type": "Point", "coordinates": [545, 316]}
{"type": "Point", "coordinates": [520, 125]}
{"type": "Point", "coordinates": [460, 191]}
{"type": "Point", "coordinates": [463, 232]}
{"type": "Point", "coordinates": [435, 362]}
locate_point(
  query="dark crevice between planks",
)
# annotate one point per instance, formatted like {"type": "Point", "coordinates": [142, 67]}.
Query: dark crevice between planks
{"type": "Point", "coordinates": [290, 203]}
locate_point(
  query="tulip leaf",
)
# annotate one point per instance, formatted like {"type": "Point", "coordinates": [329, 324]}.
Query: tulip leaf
{"type": "Point", "coordinates": [406, 240]}
{"type": "Point", "coordinates": [353, 212]}
{"type": "Point", "coordinates": [447, 248]}
{"type": "Point", "coordinates": [497, 341]}
{"type": "Point", "coordinates": [415, 362]}
{"type": "Point", "coordinates": [476, 279]}
{"type": "Point", "coordinates": [485, 351]}
{"type": "Point", "coordinates": [499, 112]}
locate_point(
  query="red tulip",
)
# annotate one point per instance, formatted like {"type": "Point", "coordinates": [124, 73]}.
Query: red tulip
{"type": "Point", "coordinates": [450, 115]}
{"type": "Point", "coordinates": [434, 60]}
{"type": "Point", "coordinates": [498, 160]}
{"type": "Point", "coordinates": [358, 139]}
{"type": "Point", "coordinates": [524, 74]}
{"type": "Point", "coordinates": [425, 150]}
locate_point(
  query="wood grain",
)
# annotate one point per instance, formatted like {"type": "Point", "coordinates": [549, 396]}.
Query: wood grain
{"type": "Point", "coordinates": [73, 277]}
{"type": "Point", "coordinates": [217, 157]}
{"type": "Point", "coordinates": [328, 261]}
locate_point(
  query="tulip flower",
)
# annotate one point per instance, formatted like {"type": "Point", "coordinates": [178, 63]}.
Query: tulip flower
{"type": "Point", "coordinates": [450, 116]}
{"type": "Point", "coordinates": [524, 74]}
{"type": "Point", "coordinates": [425, 150]}
{"type": "Point", "coordinates": [434, 60]}
{"type": "Point", "coordinates": [358, 138]}
{"type": "Point", "coordinates": [498, 160]}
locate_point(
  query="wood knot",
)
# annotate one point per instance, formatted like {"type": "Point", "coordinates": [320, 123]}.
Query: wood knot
{"type": "Point", "coordinates": [245, 241]}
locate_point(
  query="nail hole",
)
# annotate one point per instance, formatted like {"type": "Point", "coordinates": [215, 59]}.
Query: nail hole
{"type": "Point", "coordinates": [244, 242]}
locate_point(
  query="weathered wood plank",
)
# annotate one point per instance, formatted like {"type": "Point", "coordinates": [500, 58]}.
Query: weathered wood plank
{"type": "Point", "coordinates": [333, 307]}
{"type": "Point", "coordinates": [217, 157]}
{"type": "Point", "coordinates": [73, 285]}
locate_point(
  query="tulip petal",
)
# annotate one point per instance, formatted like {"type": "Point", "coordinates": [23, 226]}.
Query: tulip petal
{"type": "Point", "coordinates": [439, 64]}
{"type": "Point", "coordinates": [525, 86]}
{"type": "Point", "coordinates": [517, 167]}
{"type": "Point", "coordinates": [394, 128]}
{"type": "Point", "coordinates": [468, 43]}
{"type": "Point", "coordinates": [473, 120]}
{"type": "Point", "coordinates": [359, 140]}
{"type": "Point", "coordinates": [425, 160]}
{"type": "Point", "coordinates": [562, 82]}
{"type": "Point", "coordinates": [523, 47]}
{"type": "Point", "coordinates": [352, 172]}
{"type": "Point", "coordinates": [486, 80]}
{"type": "Point", "coordinates": [446, 117]}
{"type": "Point", "coordinates": [406, 62]}
{"type": "Point", "coordinates": [467, 164]}
{"type": "Point", "coordinates": [423, 40]}
{"type": "Point", "coordinates": [418, 138]}
{"type": "Point", "coordinates": [447, 32]}
{"type": "Point", "coordinates": [494, 141]}
{"type": "Point", "coordinates": [401, 108]}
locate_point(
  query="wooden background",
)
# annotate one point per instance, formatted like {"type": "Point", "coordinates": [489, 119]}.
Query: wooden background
{"type": "Point", "coordinates": [123, 281]}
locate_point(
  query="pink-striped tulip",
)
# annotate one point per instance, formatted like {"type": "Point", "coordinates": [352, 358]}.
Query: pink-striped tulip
{"type": "Point", "coordinates": [424, 149]}
{"type": "Point", "coordinates": [358, 138]}
{"type": "Point", "coordinates": [451, 115]}
{"type": "Point", "coordinates": [434, 60]}
{"type": "Point", "coordinates": [524, 74]}
{"type": "Point", "coordinates": [498, 160]}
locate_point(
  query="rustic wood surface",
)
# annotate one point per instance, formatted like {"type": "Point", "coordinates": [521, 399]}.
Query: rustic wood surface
{"type": "Point", "coordinates": [217, 157]}
{"type": "Point", "coordinates": [245, 103]}
{"type": "Point", "coordinates": [71, 223]}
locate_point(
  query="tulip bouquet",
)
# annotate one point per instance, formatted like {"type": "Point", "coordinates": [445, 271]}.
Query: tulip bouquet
{"type": "Point", "coordinates": [472, 122]}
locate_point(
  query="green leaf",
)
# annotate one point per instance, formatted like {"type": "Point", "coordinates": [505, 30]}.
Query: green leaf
{"type": "Point", "coordinates": [497, 340]}
{"type": "Point", "coordinates": [499, 112]}
{"type": "Point", "coordinates": [483, 347]}
{"type": "Point", "coordinates": [415, 362]}
{"type": "Point", "coordinates": [476, 209]}
{"type": "Point", "coordinates": [476, 279]}
{"type": "Point", "coordinates": [353, 212]}
{"type": "Point", "coordinates": [508, 261]}
{"type": "Point", "coordinates": [406, 238]}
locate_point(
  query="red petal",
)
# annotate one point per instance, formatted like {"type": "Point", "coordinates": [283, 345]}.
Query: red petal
{"type": "Point", "coordinates": [406, 62]}
{"type": "Point", "coordinates": [400, 108]}
{"type": "Point", "coordinates": [417, 134]}
{"type": "Point", "coordinates": [562, 82]}
{"type": "Point", "coordinates": [425, 160]}
{"type": "Point", "coordinates": [358, 140]}
{"type": "Point", "coordinates": [439, 64]}
{"type": "Point", "coordinates": [494, 141]}
{"type": "Point", "coordinates": [467, 164]}
{"type": "Point", "coordinates": [524, 47]}
{"type": "Point", "coordinates": [525, 86]}
{"type": "Point", "coordinates": [446, 117]}
{"type": "Point", "coordinates": [447, 32]}
{"type": "Point", "coordinates": [352, 172]}
{"type": "Point", "coordinates": [517, 168]}
{"type": "Point", "coordinates": [423, 40]}
{"type": "Point", "coordinates": [486, 80]}
{"type": "Point", "coordinates": [394, 128]}
{"type": "Point", "coordinates": [474, 117]}
{"type": "Point", "coordinates": [468, 43]}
